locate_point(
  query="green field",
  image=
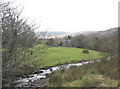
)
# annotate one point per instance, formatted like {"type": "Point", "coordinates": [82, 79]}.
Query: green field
{"type": "Point", "coordinates": [60, 55]}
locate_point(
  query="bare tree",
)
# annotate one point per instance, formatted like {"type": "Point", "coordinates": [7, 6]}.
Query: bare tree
{"type": "Point", "coordinates": [17, 36]}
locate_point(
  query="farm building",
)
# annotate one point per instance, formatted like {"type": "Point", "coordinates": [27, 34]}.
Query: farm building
{"type": "Point", "coordinates": [66, 43]}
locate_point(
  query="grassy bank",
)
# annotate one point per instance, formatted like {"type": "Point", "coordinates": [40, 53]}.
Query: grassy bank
{"type": "Point", "coordinates": [99, 74]}
{"type": "Point", "coordinates": [40, 56]}
{"type": "Point", "coordinates": [59, 55]}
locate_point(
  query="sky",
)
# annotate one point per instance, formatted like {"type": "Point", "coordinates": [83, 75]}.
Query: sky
{"type": "Point", "coordinates": [71, 15]}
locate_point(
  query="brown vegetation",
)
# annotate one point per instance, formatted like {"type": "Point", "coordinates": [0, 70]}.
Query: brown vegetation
{"type": "Point", "coordinates": [86, 51]}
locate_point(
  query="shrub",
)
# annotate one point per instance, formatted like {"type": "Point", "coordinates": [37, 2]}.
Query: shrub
{"type": "Point", "coordinates": [91, 80]}
{"type": "Point", "coordinates": [55, 80]}
{"type": "Point", "coordinates": [85, 51]}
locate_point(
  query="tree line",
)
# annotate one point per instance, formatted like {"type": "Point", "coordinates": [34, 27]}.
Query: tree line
{"type": "Point", "coordinates": [106, 41]}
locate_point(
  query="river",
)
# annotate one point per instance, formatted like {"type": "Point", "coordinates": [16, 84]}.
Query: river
{"type": "Point", "coordinates": [38, 79]}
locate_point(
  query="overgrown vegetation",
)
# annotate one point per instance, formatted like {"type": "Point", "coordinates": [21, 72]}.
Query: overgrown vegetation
{"type": "Point", "coordinates": [99, 74]}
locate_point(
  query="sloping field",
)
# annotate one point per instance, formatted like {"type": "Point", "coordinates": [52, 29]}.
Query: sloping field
{"type": "Point", "coordinates": [60, 55]}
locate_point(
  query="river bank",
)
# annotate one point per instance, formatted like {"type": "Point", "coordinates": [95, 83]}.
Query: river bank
{"type": "Point", "coordinates": [43, 73]}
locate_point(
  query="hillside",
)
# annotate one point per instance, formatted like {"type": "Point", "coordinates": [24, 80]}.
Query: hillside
{"type": "Point", "coordinates": [107, 33]}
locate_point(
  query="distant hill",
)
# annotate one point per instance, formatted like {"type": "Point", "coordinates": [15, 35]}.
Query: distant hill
{"type": "Point", "coordinates": [55, 33]}
{"type": "Point", "coordinates": [105, 33]}
{"type": "Point", "coordinates": [61, 34]}
{"type": "Point", "coordinates": [52, 33]}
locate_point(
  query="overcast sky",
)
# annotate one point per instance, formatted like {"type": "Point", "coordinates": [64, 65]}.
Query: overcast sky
{"type": "Point", "coordinates": [71, 15]}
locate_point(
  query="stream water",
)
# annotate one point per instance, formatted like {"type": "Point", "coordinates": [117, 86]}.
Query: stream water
{"type": "Point", "coordinates": [42, 74]}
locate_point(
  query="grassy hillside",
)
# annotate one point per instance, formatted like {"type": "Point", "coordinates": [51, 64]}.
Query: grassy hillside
{"type": "Point", "coordinates": [59, 55]}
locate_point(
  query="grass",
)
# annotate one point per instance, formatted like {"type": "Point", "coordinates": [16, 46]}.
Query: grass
{"type": "Point", "coordinates": [92, 80]}
{"type": "Point", "coordinates": [59, 55]}
{"type": "Point", "coordinates": [101, 74]}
